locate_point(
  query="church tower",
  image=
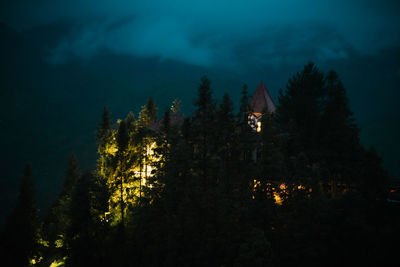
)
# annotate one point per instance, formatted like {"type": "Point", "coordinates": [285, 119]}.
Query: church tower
{"type": "Point", "coordinates": [260, 102]}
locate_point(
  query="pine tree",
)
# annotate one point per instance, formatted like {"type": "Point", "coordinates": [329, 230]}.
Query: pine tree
{"type": "Point", "coordinates": [58, 219]}
{"type": "Point", "coordinates": [104, 131]}
{"type": "Point", "coordinates": [270, 164]}
{"type": "Point", "coordinates": [246, 145]}
{"type": "Point", "coordinates": [131, 123]}
{"type": "Point", "coordinates": [299, 111]}
{"type": "Point", "coordinates": [71, 176]}
{"type": "Point", "coordinates": [104, 142]}
{"type": "Point", "coordinates": [148, 114]}
{"type": "Point", "coordinates": [244, 106]}
{"type": "Point", "coordinates": [227, 142]}
{"type": "Point", "coordinates": [373, 178]}
{"type": "Point", "coordinates": [203, 128]}
{"type": "Point", "coordinates": [79, 239]}
{"type": "Point", "coordinates": [20, 240]}
{"type": "Point", "coordinates": [122, 161]}
{"type": "Point", "coordinates": [151, 110]}
{"type": "Point", "coordinates": [339, 133]}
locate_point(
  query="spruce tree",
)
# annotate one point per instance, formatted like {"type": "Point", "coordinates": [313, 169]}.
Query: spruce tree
{"type": "Point", "coordinates": [104, 130]}
{"type": "Point", "coordinates": [227, 142]}
{"type": "Point", "coordinates": [71, 176]}
{"type": "Point", "coordinates": [122, 161]}
{"type": "Point", "coordinates": [80, 242]}
{"type": "Point", "coordinates": [270, 163]}
{"type": "Point", "coordinates": [58, 219]}
{"type": "Point", "coordinates": [299, 111]}
{"type": "Point", "coordinates": [339, 134]}
{"type": "Point", "coordinates": [104, 140]}
{"type": "Point", "coordinates": [244, 106]}
{"type": "Point", "coordinates": [148, 114]}
{"type": "Point", "coordinates": [246, 145]}
{"type": "Point", "coordinates": [203, 128]}
{"type": "Point", "coordinates": [131, 123]}
{"type": "Point", "coordinates": [20, 239]}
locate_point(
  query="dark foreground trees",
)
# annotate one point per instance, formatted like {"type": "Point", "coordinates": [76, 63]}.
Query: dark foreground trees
{"type": "Point", "coordinates": [209, 191]}
{"type": "Point", "coordinates": [19, 244]}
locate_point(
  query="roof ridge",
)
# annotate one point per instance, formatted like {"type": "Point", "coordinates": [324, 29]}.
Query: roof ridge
{"type": "Point", "coordinates": [261, 99]}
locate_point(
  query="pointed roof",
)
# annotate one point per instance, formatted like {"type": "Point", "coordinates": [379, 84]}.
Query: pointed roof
{"type": "Point", "coordinates": [262, 99]}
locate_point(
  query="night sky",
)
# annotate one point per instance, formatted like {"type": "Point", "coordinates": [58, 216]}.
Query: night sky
{"type": "Point", "coordinates": [62, 61]}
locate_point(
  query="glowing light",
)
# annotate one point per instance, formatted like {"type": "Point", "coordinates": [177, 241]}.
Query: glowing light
{"type": "Point", "coordinates": [282, 186]}
{"type": "Point", "coordinates": [256, 183]}
{"type": "Point", "coordinates": [278, 198]}
{"type": "Point", "coordinates": [258, 126]}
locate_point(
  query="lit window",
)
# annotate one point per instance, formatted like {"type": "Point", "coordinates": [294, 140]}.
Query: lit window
{"type": "Point", "coordinates": [258, 126]}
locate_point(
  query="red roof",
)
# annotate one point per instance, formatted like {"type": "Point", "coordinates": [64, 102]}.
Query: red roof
{"type": "Point", "coordinates": [261, 100]}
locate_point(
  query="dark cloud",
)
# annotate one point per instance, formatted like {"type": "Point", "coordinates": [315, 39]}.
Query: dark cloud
{"type": "Point", "coordinates": [209, 33]}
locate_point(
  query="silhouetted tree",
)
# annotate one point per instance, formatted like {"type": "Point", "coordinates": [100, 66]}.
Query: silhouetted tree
{"type": "Point", "coordinates": [79, 233]}
{"type": "Point", "coordinates": [58, 218]}
{"type": "Point", "coordinates": [203, 125]}
{"type": "Point", "coordinates": [339, 134]}
{"type": "Point", "coordinates": [20, 239]}
{"type": "Point", "coordinates": [299, 111]}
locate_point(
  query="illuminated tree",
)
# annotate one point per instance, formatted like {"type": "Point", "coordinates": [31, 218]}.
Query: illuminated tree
{"type": "Point", "coordinates": [122, 161]}
{"type": "Point", "coordinates": [148, 114]}
{"type": "Point", "coordinates": [130, 123]}
{"type": "Point", "coordinates": [104, 141]}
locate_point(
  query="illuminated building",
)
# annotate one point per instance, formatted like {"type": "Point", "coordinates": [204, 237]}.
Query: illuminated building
{"type": "Point", "coordinates": [261, 101]}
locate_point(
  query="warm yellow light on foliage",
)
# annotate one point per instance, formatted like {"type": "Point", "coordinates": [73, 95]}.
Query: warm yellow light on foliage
{"type": "Point", "coordinates": [59, 243]}
{"type": "Point", "coordinates": [278, 198]}
{"type": "Point", "coordinates": [43, 242]}
{"type": "Point", "coordinates": [35, 260]}
{"type": "Point", "coordinates": [111, 149]}
{"type": "Point", "coordinates": [57, 263]}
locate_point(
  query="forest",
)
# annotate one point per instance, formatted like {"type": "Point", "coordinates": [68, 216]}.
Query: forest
{"type": "Point", "coordinates": [208, 190]}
